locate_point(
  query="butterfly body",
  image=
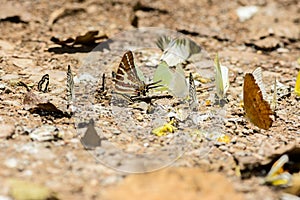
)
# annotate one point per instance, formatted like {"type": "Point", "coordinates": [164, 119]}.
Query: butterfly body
{"type": "Point", "coordinates": [257, 109]}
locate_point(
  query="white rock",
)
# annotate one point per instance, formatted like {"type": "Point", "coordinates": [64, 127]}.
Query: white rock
{"type": "Point", "coordinates": [44, 133]}
{"type": "Point", "coordinates": [11, 162]}
{"type": "Point", "coordinates": [246, 12]}
{"type": "Point", "coordinates": [2, 86]}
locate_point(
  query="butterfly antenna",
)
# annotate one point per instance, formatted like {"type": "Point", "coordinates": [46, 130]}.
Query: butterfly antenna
{"type": "Point", "coordinates": [103, 82]}
{"type": "Point", "coordinates": [153, 85]}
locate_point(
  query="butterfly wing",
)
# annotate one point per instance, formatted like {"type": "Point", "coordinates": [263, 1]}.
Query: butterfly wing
{"type": "Point", "coordinates": [43, 83]}
{"type": "Point", "coordinates": [222, 81]}
{"type": "Point", "coordinates": [257, 109]}
{"type": "Point", "coordinates": [70, 84]}
{"type": "Point", "coordinates": [192, 93]}
{"type": "Point", "coordinates": [126, 79]}
{"type": "Point", "coordinates": [178, 86]}
{"type": "Point", "coordinates": [164, 74]}
{"type": "Point", "coordinates": [257, 73]}
{"type": "Point", "coordinates": [297, 85]}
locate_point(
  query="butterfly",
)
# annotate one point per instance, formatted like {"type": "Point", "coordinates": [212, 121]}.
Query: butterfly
{"type": "Point", "coordinates": [277, 176]}
{"type": "Point", "coordinates": [297, 85]}
{"type": "Point", "coordinates": [70, 84]}
{"type": "Point", "coordinates": [257, 109]}
{"type": "Point", "coordinates": [172, 80]}
{"type": "Point", "coordinates": [127, 81]}
{"type": "Point", "coordinates": [43, 83]}
{"type": "Point", "coordinates": [176, 51]}
{"type": "Point", "coordinates": [222, 81]}
{"type": "Point", "coordinates": [192, 93]}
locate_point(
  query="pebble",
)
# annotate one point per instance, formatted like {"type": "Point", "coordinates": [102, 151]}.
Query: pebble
{"type": "Point", "coordinates": [223, 148]}
{"type": "Point", "coordinates": [283, 50]}
{"type": "Point", "coordinates": [6, 130]}
{"type": "Point", "coordinates": [27, 173]}
{"type": "Point", "coordinates": [246, 12]}
{"type": "Point", "coordinates": [241, 146]}
{"type": "Point", "coordinates": [11, 162]}
{"type": "Point", "coordinates": [44, 133]}
{"type": "Point", "coordinates": [116, 132]}
{"type": "Point", "coordinates": [2, 86]}
{"type": "Point", "coordinates": [146, 144]}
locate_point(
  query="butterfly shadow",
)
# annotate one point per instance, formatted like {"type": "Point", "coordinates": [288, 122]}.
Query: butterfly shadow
{"type": "Point", "coordinates": [97, 46]}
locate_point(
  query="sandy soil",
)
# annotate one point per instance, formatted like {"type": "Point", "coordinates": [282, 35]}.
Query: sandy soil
{"type": "Point", "coordinates": [208, 170]}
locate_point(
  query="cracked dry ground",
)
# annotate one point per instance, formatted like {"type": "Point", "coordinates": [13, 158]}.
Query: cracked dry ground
{"type": "Point", "coordinates": [270, 39]}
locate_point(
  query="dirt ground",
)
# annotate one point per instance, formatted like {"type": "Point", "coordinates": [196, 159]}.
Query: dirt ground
{"type": "Point", "coordinates": [60, 165]}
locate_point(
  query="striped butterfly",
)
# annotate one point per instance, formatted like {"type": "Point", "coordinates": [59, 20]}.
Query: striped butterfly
{"type": "Point", "coordinates": [127, 81]}
{"type": "Point", "coordinates": [43, 83]}
{"type": "Point", "coordinates": [193, 101]}
{"type": "Point", "coordinates": [70, 84]}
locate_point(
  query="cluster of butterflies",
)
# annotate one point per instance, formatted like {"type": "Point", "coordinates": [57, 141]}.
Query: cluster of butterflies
{"type": "Point", "coordinates": [129, 80]}
{"type": "Point", "coordinates": [128, 83]}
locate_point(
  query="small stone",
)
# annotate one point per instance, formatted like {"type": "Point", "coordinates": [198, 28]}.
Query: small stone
{"type": "Point", "coordinates": [246, 12]}
{"type": "Point", "coordinates": [116, 132]}
{"type": "Point", "coordinates": [44, 133]}
{"type": "Point", "coordinates": [240, 146]}
{"type": "Point", "coordinates": [27, 173]}
{"type": "Point", "coordinates": [2, 86]}
{"type": "Point", "coordinates": [223, 148]}
{"type": "Point", "coordinates": [6, 130]}
{"type": "Point", "coordinates": [11, 162]}
{"type": "Point", "coordinates": [282, 50]}
{"type": "Point", "coordinates": [146, 144]}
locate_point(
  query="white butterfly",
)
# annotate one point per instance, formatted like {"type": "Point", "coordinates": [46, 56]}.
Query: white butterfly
{"type": "Point", "coordinates": [274, 176]}
{"type": "Point", "coordinates": [176, 51]}
{"type": "Point", "coordinates": [222, 80]}
{"type": "Point", "coordinates": [174, 81]}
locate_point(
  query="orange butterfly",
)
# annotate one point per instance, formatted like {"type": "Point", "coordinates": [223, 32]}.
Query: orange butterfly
{"type": "Point", "coordinates": [257, 109]}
